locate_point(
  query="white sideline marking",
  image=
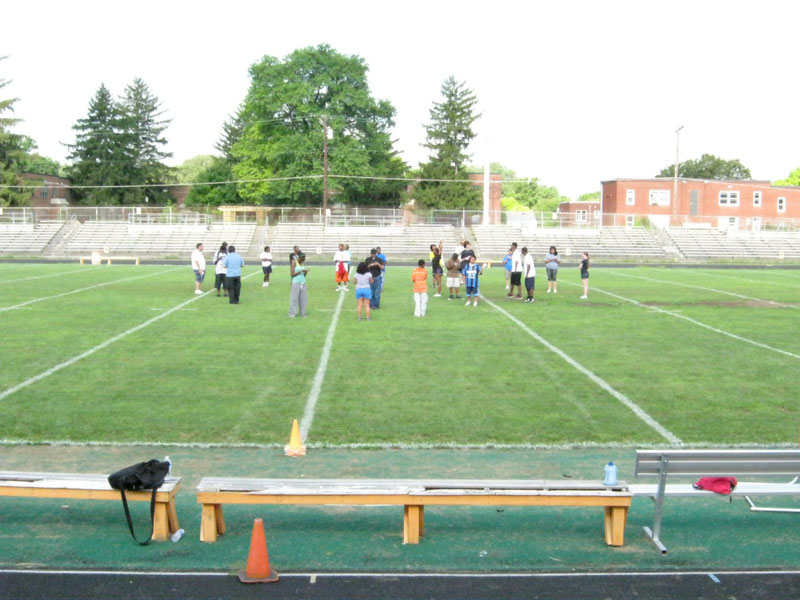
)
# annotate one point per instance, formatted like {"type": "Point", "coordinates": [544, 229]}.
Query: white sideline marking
{"type": "Point", "coordinates": [637, 410]}
{"type": "Point", "coordinates": [758, 281]}
{"type": "Point", "coordinates": [91, 287]}
{"type": "Point", "coordinates": [44, 276]}
{"type": "Point", "coordinates": [700, 287]}
{"type": "Point", "coordinates": [396, 445]}
{"type": "Point", "coordinates": [695, 322]}
{"type": "Point", "coordinates": [316, 386]}
{"type": "Point", "coordinates": [108, 342]}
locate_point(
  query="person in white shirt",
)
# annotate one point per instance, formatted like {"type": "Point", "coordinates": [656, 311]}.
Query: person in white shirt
{"type": "Point", "coordinates": [199, 267]}
{"type": "Point", "coordinates": [266, 265]}
{"type": "Point", "coordinates": [529, 273]}
{"type": "Point", "coordinates": [220, 269]}
{"type": "Point", "coordinates": [341, 263]}
{"type": "Point", "coordinates": [516, 272]}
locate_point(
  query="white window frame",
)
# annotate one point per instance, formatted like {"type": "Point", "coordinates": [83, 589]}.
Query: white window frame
{"type": "Point", "coordinates": [630, 197]}
{"type": "Point", "coordinates": [756, 223]}
{"type": "Point", "coordinates": [658, 197]}
{"type": "Point", "coordinates": [729, 198]}
{"type": "Point", "coordinates": [757, 199]}
{"type": "Point", "coordinates": [630, 220]}
{"type": "Point", "coordinates": [581, 216]}
{"type": "Point", "coordinates": [781, 204]}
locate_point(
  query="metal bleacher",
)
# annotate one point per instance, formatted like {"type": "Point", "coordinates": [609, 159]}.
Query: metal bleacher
{"type": "Point", "coordinates": [27, 238]}
{"type": "Point", "coordinates": [157, 239]}
{"type": "Point", "coordinates": [620, 242]}
{"type": "Point", "coordinates": [394, 240]}
{"type": "Point", "coordinates": [695, 243]}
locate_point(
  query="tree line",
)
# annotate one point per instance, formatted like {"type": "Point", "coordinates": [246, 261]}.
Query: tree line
{"type": "Point", "coordinates": [271, 147]}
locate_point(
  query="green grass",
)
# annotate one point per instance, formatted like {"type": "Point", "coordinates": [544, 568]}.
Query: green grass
{"type": "Point", "coordinates": [216, 373]}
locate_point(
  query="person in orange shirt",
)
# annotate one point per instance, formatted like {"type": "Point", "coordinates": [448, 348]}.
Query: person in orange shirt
{"type": "Point", "coordinates": [419, 277]}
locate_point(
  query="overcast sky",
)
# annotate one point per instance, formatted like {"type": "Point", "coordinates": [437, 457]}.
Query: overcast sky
{"type": "Point", "coordinates": [571, 92]}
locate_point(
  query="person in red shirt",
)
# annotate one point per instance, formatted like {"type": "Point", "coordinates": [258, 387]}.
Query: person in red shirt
{"type": "Point", "coordinates": [419, 278]}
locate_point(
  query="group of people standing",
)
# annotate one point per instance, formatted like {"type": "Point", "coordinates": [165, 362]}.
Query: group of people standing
{"type": "Point", "coordinates": [227, 270]}
{"type": "Point", "coordinates": [519, 267]}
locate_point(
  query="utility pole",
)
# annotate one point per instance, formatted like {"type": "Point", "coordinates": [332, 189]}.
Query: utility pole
{"type": "Point", "coordinates": [675, 174]}
{"type": "Point", "coordinates": [324, 169]}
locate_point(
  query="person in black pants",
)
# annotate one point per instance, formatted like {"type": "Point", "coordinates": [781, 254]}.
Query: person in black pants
{"type": "Point", "coordinates": [375, 266]}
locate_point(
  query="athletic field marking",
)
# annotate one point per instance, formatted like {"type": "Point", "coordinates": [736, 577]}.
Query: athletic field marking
{"type": "Point", "coordinates": [583, 445]}
{"type": "Point", "coordinates": [316, 386]}
{"type": "Point", "coordinates": [637, 410]}
{"type": "Point", "coordinates": [695, 322]}
{"type": "Point", "coordinates": [758, 281]}
{"type": "Point", "coordinates": [183, 309]}
{"type": "Point", "coordinates": [44, 276]}
{"type": "Point", "coordinates": [91, 287]}
{"type": "Point", "coordinates": [700, 287]}
{"type": "Point", "coordinates": [108, 342]}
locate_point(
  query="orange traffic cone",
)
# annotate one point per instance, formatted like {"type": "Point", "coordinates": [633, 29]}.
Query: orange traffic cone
{"type": "Point", "coordinates": [258, 570]}
{"type": "Point", "coordinates": [295, 446]}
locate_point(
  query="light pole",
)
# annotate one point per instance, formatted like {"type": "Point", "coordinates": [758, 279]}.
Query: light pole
{"type": "Point", "coordinates": [675, 174]}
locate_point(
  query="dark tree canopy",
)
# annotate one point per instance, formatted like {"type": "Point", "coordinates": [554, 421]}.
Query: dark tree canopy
{"type": "Point", "coordinates": [12, 154]}
{"type": "Point", "coordinates": [708, 166]}
{"type": "Point", "coordinates": [448, 136]}
{"type": "Point", "coordinates": [282, 125]}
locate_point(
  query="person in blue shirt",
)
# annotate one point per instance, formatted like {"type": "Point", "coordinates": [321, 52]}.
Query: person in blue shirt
{"type": "Point", "coordinates": [470, 273]}
{"type": "Point", "coordinates": [382, 256]}
{"type": "Point", "coordinates": [233, 274]}
{"type": "Point", "coordinates": [507, 265]}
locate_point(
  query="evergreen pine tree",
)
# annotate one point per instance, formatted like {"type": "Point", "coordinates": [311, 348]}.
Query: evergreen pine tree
{"type": "Point", "coordinates": [100, 155]}
{"type": "Point", "coordinates": [12, 154]}
{"type": "Point", "coordinates": [448, 135]}
{"type": "Point", "coordinates": [144, 128]}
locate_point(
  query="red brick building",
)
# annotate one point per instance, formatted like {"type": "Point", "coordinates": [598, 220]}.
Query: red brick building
{"type": "Point", "coordinates": [580, 213]}
{"type": "Point", "coordinates": [54, 191]}
{"type": "Point", "coordinates": [729, 204]}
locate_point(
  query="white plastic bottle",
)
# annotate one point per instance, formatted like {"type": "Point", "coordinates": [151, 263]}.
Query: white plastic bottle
{"type": "Point", "coordinates": [169, 472]}
{"type": "Point", "coordinates": [177, 535]}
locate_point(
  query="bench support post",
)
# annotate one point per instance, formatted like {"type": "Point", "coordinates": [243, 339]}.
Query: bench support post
{"type": "Point", "coordinates": [655, 533]}
{"type": "Point", "coordinates": [161, 522]}
{"type": "Point", "coordinates": [212, 523]}
{"type": "Point", "coordinates": [615, 518]}
{"type": "Point", "coordinates": [412, 523]}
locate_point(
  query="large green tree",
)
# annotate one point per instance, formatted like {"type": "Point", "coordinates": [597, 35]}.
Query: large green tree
{"type": "Point", "coordinates": [12, 154]}
{"type": "Point", "coordinates": [210, 190]}
{"type": "Point", "coordinates": [708, 166]}
{"type": "Point", "coordinates": [445, 181]}
{"type": "Point", "coordinates": [144, 126]}
{"type": "Point", "coordinates": [283, 122]}
{"type": "Point", "coordinates": [792, 179]}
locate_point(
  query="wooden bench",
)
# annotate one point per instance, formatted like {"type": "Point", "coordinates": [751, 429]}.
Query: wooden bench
{"type": "Point", "coordinates": [712, 463]}
{"type": "Point", "coordinates": [93, 487]}
{"type": "Point", "coordinates": [413, 495]}
{"type": "Point", "coordinates": [108, 259]}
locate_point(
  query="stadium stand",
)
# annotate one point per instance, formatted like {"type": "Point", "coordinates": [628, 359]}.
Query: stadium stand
{"type": "Point", "coordinates": [695, 243]}
{"type": "Point", "coordinates": [27, 238]}
{"type": "Point", "coordinates": [394, 240]}
{"type": "Point", "coordinates": [634, 242]}
{"type": "Point", "coordinates": [158, 238]}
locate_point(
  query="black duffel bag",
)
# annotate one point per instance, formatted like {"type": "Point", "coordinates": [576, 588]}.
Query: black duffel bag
{"type": "Point", "coordinates": [148, 475]}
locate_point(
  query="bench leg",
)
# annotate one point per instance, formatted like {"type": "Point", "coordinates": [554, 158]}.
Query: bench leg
{"type": "Point", "coordinates": [411, 523]}
{"type": "Point", "coordinates": [160, 522]}
{"type": "Point", "coordinates": [208, 523]}
{"type": "Point", "coordinates": [220, 519]}
{"type": "Point", "coordinates": [615, 519]}
{"type": "Point", "coordinates": [421, 521]}
{"type": "Point", "coordinates": [172, 516]}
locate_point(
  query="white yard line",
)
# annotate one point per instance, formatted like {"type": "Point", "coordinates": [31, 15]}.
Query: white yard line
{"type": "Point", "coordinates": [108, 342]}
{"type": "Point", "coordinates": [637, 410]}
{"type": "Point", "coordinates": [45, 276]}
{"type": "Point", "coordinates": [700, 287]}
{"type": "Point", "coordinates": [758, 281]}
{"type": "Point", "coordinates": [316, 386]}
{"type": "Point", "coordinates": [693, 321]}
{"type": "Point", "coordinates": [91, 287]}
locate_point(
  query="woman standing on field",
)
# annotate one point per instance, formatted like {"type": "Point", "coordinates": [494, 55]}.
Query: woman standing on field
{"type": "Point", "coordinates": [584, 267]}
{"type": "Point", "coordinates": [364, 283]}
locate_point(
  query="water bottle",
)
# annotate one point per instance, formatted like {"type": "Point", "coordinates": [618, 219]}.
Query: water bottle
{"type": "Point", "coordinates": [169, 471]}
{"type": "Point", "coordinates": [177, 535]}
{"type": "Point", "coordinates": [611, 474]}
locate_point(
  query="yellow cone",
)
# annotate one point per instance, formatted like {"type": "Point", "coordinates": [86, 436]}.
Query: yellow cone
{"type": "Point", "coordinates": [295, 446]}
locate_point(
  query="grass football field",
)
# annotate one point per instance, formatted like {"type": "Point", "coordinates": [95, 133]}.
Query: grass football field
{"type": "Point", "coordinates": [655, 356]}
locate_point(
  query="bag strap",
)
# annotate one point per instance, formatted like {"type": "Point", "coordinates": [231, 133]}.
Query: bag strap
{"type": "Point", "coordinates": [128, 516]}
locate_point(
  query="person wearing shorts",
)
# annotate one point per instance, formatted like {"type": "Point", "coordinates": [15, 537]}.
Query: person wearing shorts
{"type": "Point", "coordinates": [551, 261]}
{"type": "Point", "coordinates": [199, 267]}
{"type": "Point", "coordinates": [516, 272]}
{"type": "Point", "coordinates": [266, 265]}
{"type": "Point", "coordinates": [584, 267]}
{"type": "Point", "coordinates": [453, 276]}
{"type": "Point", "coordinates": [507, 267]}
{"type": "Point", "coordinates": [529, 273]}
{"type": "Point", "coordinates": [340, 264]}
{"type": "Point", "coordinates": [364, 282]}
{"type": "Point", "coordinates": [437, 268]}
{"type": "Point", "coordinates": [471, 272]}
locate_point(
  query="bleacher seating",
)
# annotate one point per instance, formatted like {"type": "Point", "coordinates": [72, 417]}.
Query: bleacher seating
{"type": "Point", "coordinates": [158, 239]}
{"type": "Point", "coordinates": [696, 243]}
{"type": "Point", "coordinates": [622, 242]}
{"type": "Point", "coordinates": [27, 238]}
{"type": "Point", "coordinates": [394, 240]}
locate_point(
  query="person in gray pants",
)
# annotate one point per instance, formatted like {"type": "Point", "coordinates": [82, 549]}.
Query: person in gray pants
{"type": "Point", "coordinates": [298, 296]}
